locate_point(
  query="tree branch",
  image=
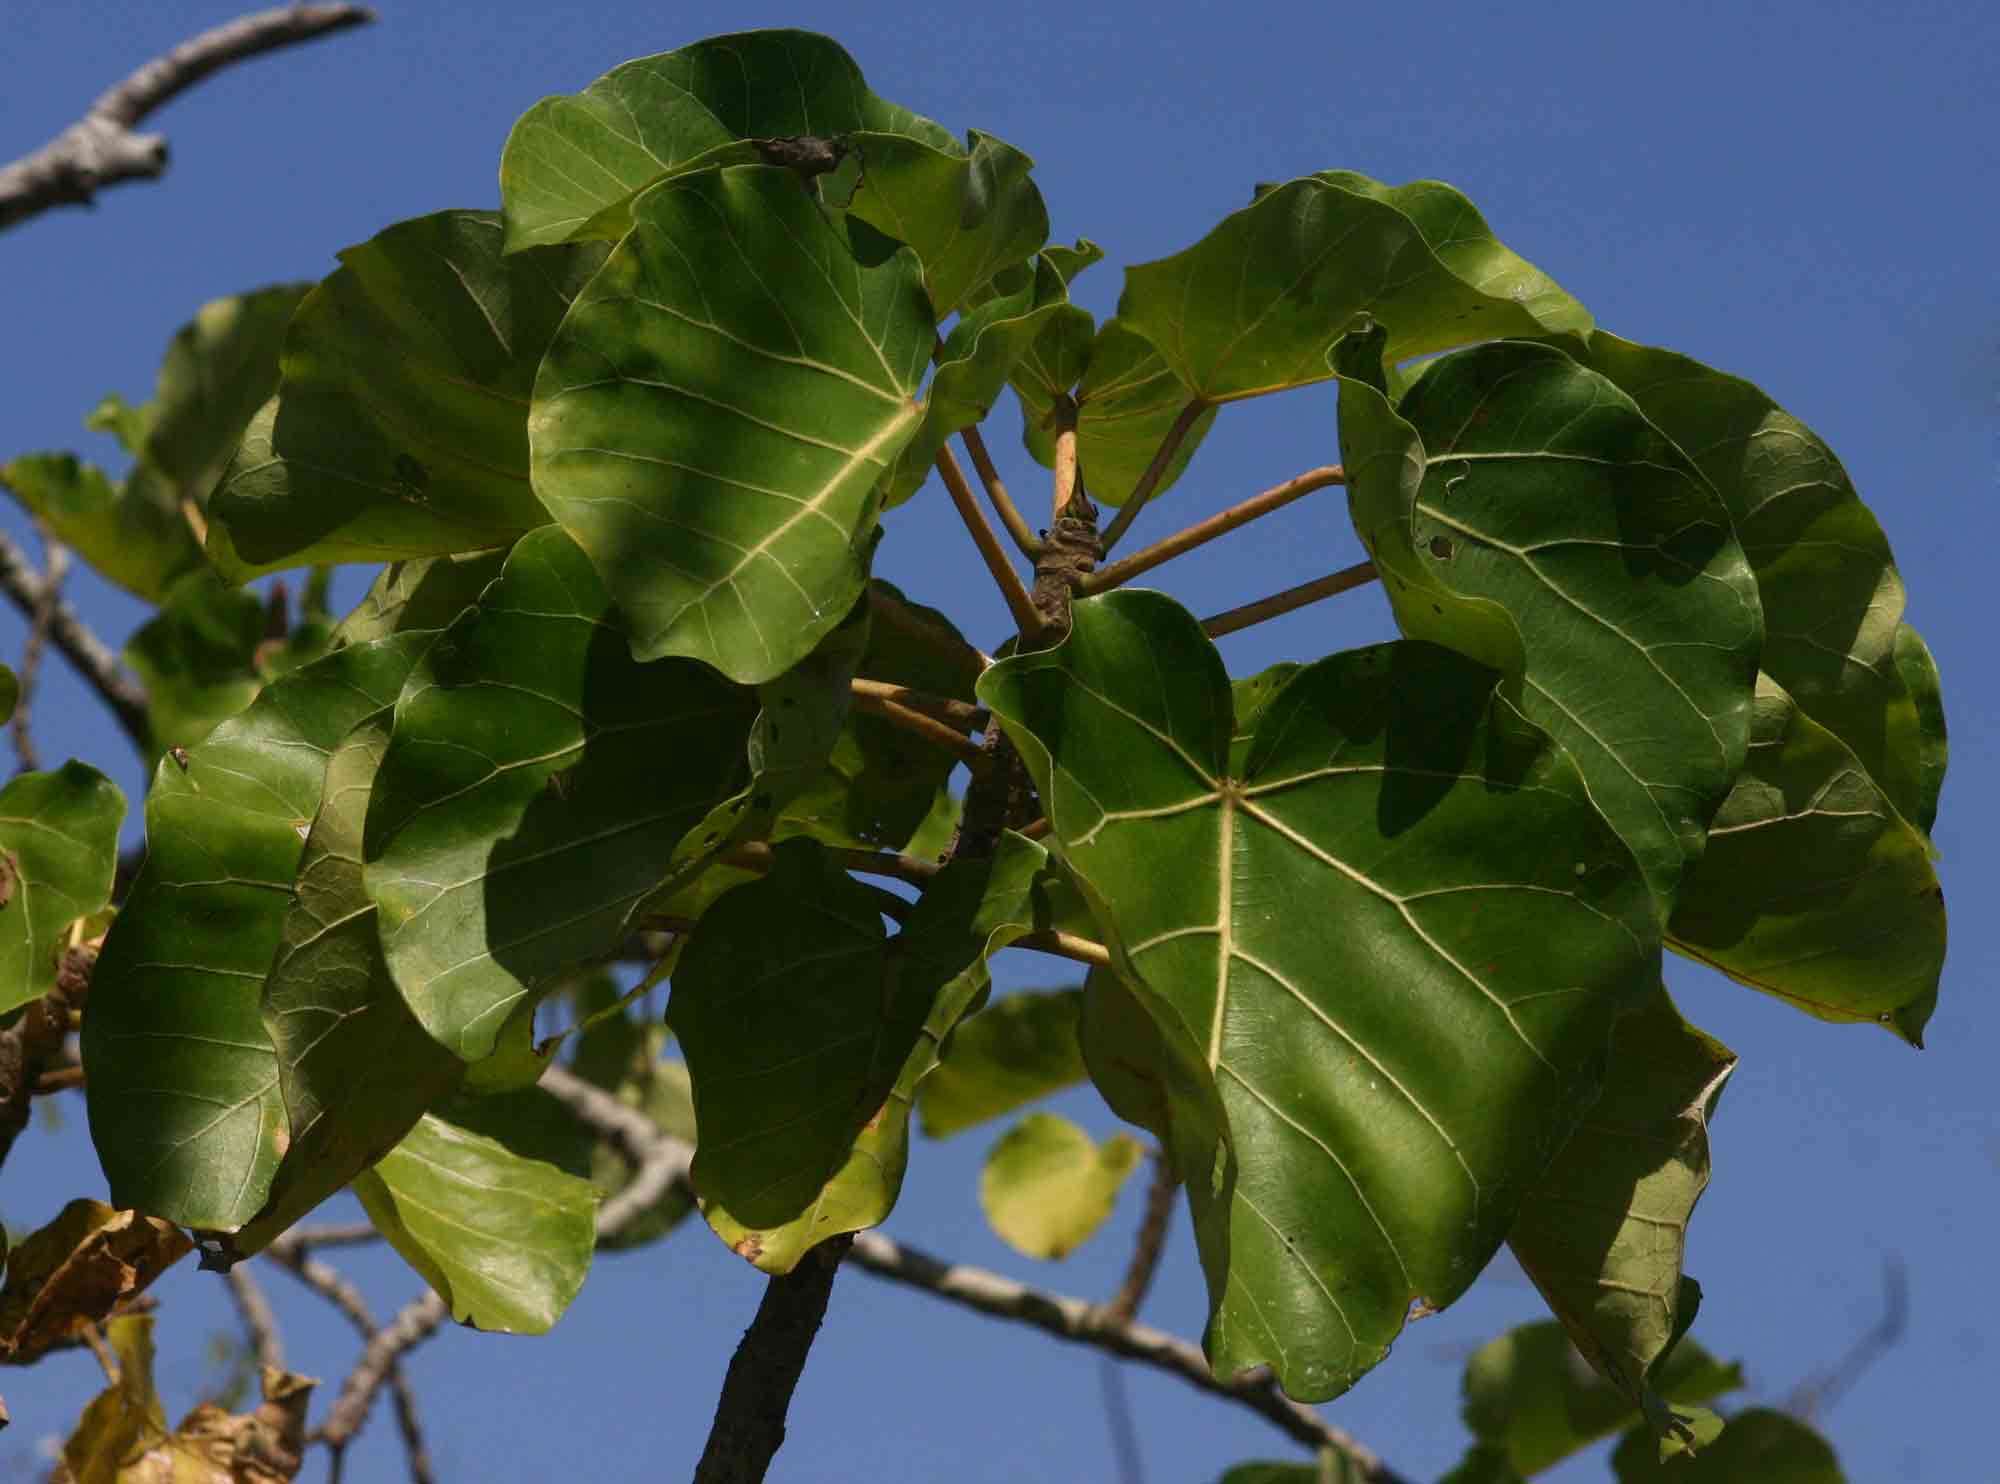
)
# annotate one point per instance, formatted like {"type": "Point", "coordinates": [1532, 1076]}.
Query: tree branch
{"type": "Point", "coordinates": [962, 714]}
{"type": "Point", "coordinates": [92, 658]}
{"type": "Point", "coordinates": [876, 698]}
{"type": "Point", "coordinates": [997, 496]}
{"type": "Point", "coordinates": [35, 1042]}
{"type": "Point", "coordinates": [1275, 498]}
{"type": "Point", "coordinates": [997, 562]}
{"type": "Point", "coordinates": [413, 1324]}
{"type": "Point", "coordinates": [1279, 604]}
{"type": "Point", "coordinates": [259, 1322]}
{"type": "Point", "coordinates": [101, 149]}
{"type": "Point", "coordinates": [55, 566]}
{"type": "Point", "coordinates": [1151, 1242]}
{"type": "Point", "coordinates": [1155, 472]}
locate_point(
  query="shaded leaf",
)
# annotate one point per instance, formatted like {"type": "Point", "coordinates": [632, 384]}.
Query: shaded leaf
{"type": "Point", "coordinates": [1604, 1232]}
{"type": "Point", "coordinates": [77, 1271]}
{"type": "Point", "coordinates": [182, 1079]}
{"type": "Point", "coordinates": [1382, 977]}
{"type": "Point", "coordinates": [1530, 1397]}
{"type": "Point", "coordinates": [1920, 675]}
{"type": "Point", "coordinates": [1757, 1444]}
{"type": "Point", "coordinates": [400, 428]}
{"type": "Point", "coordinates": [1814, 888]}
{"type": "Point", "coordinates": [132, 533]}
{"type": "Point", "coordinates": [1014, 1051]}
{"type": "Point", "coordinates": [503, 1239]}
{"type": "Point", "coordinates": [1522, 511]}
{"type": "Point", "coordinates": [197, 658]}
{"type": "Point", "coordinates": [624, 1056]}
{"type": "Point", "coordinates": [807, 1030]}
{"type": "Point", "coordinates": [1256, 304]}
{"type": "Point", "coordinates": [1047, 1186]}
{"type": "Point", "coordinates": [423, 593]}
{"type": "Point", "coordinates": [574, 162]}
{"type": "Point", "coordinates": [536, 789]}
{"type": "Point", "coordinates": [711, 421]}
{"type": "Point", "coordinates": [355, 1068]}
{"type": "Point", "coordinates": [58, 855]}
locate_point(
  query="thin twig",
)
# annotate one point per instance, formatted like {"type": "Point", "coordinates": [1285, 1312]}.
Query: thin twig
{"type": "Point", "coordinates": [1078, 1322]}
{"type": "Point", "coordinates": [964, 714]}
{"type": "Point", "coordinates": [1201, 532]}
{"type": "Point", "coordinates": [1155, 472]}
{"type": "Point", "coordinates": [1150, 1243]}
{"type": "Point", "coordinates": [918, 724]}
{"type": "Point", "coordinates": [91, 656]}
{"type": "Point", "coordinates": [259, 1322]}
{"type": "Point", "coordinates": [55, 566]}
{"type": "Point", "coordinates": [1821, 1391]}
{"type": "Point", "coordinates": [1066, 945]}
{"type": "Point", "coordinates": [1279, 604]}
{"type": "Point", "coordinates": [996, 494]}
{"type": "Point", "coordinates": [101, 149]}
{"type": "Point", "coordinates": [346, 1234]}
{"type": "Point", "coordinates": [912, 623]}
{"type": "Point", "coordinates": [413, 1324]}
{"type": "Point", "coordinates": [997, 562]}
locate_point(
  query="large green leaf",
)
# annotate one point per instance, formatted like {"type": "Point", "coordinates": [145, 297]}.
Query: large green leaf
{"type": "Point", "coordinates": [713, 418]}
{"type": "Point", "coordinates": [1014, 1051]}
{"type": "Point", "coordinates": [1604, 1231]}
{"type": "Point", "coordinates": [1530, 1397]}
{"type": "Point", "coordinates": [1815, 888]}
{"type": "Point", "coordinates": [504, 1239]}
{"type": "Point", "coordinates": [807, 1030]}
{"type": "Point", "coordinates": [1047, 1186]}
{"type": "Point", "coordinates": [400, 427]}
{"type": "Point", "coordinates": [1522, 510]}
{"type": "Point", "coordinates": [183, 1088]}
{"type": "Point", "coordinates": [1758, 1444]}
{"type": "Point", "coordinates": [424, 593]}
{"type": "Point", "coordinates": [574, 162]}
{"type": "Point", "coordinates": [355, 1068]}
{"type": "Point", "coordinates": [58, 854]}
{"type": "Point", "coordinates": [1255, 305]}
{"type": "Point", "coordinates": [536, 788]}
{"type": "Point", "coordinates": [131, 533]}
{"type": "Point", "coordinates": [1382, 971]}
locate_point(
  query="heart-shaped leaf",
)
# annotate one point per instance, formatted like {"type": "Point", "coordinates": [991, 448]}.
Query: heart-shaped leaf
{"type": "Point", "coordinates": [536, 788]}
{"type": "Point", "coordinates": [1048, 1186]}
{"type": "Point", "coordinates": [1604, 1231]}
{"type": "Point", "coordinates": [713, 418]}
{"type": "Point", "coordinates": [1255, 305]}
{"type": "Point", "coordinates": [1522, 510]}
{"type": "Point", "coordinates": [58, 855]}
{"type": "Point", "coordinates": [181, 1077]}
{"type": "Point", "coordinates": [1381, 974]}
{"type": "Point", "coordinates": [400, 427]}
{"type": "Point", "coordinates": [505, 1240]}
{"type": "Point", "coordinates": [1011, 1053]}
{"type": "Point", "coordinates": [573, 163]}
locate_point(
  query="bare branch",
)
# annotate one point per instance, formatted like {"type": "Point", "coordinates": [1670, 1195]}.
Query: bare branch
{"type": "Point", "coordinates": [1150, 1243]}
{"type": "Point", "coordinates": [875, 698]}
{"type": "Point", "coordinates": [1078, 1322]}
{"type": "Point", "coordinates": [1279, 604]}
{"type": "Point", "coordinates": [1278, 496]}
{"type": "Point", "coordinates": [346, 1234]}
{"type": "Point", "coordinates": [413, 1324]}
{"type": "Point", "coordinates": [997, 496]}
{"type": "Point", "coordinates": [91, 656]}
{"type": "Point", "coordinates": [1155, 472]}
{"type": "Point", "coordinates": [55, 566]}
{"type": "Point", "coordinates": [1066, 945]}
{"type": "Point", "coordinates": [962, 714]}
{"type": "Point", "coordinates": [997, 562]}
{"type": "Point", "coordinates": [259, 1322]}
{"type": "Point", "coordinates": [101, 149]}
{"type": "Point", "coordinates": [1821, 1391]}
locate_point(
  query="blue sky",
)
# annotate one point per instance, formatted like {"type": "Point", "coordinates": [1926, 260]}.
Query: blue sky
{"type": "Point", "coordinates": [1796, 193]}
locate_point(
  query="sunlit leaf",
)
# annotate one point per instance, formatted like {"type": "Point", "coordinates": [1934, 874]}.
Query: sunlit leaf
{"type": "Point", "coordinates": [77, 1271]}
{"type": "Point", "coordinates": [710, 424]}
{"type": "Point", "coordinates": [181, 1077]}
{"type": "Point", "coordinates": [400, 428]}
{"type": "Point", "coordinates": [424, 593]}
{"type": "Point", "coordinates": [1381, 972]}
{"type": "Point", "coordinates": [1604, 1231]}
{"type": "Point", "coordinates": [1048, 1186]}
{"type": "Point", "coordinates": [1014, 1051]}
{"type": "Point", "coordinates": [1523, 511]}
{"type": "Point", "coordinates": [131, 533]}
{"type": "Point", "coordinates": [58, 855]}
{"type": "Point", "coordinates": [504, 1240]}
{"type": "Point", "coordinates": [536, 789]}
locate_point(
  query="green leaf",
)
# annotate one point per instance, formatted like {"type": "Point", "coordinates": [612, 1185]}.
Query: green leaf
{"type": "Point", "coordinates": [503, 1239]}
{"type": "Point", "coordinates": [966, 212]}
{"type": "Point", "coordinates": [182, 1079]}
{"type": "Point", "coordinates": [1523, 511]}
{"type": "Point", "coordinates": [807, 1030]}
{"type": "Point", "coordinates": [1048, 1186]}
{"type": "Point", "coordinates": [1832, 598]}
{"type": "Point", "coordinates": [1766, 1446]}
{"type": "Point", "coordinates": [128, 424]}
{"type": "Point", "coordinates": [1603, 1233]}
{"type": "Point", "coordinates": [426, 593]}
{"type": "Point", "coordinates": [132, 534]}
{"type": "Point", "coordinates": [1530, 1397]}
{"type": "Point", "coordinates": [1011, 1053]}
{"type": "Point", "coordinates": [536, 788]}
{"type": "Point", "coordinates": [624, 1056]}
{"type": "Point", "coordinates": [400, 428]}
{"type": "Point", "coordinates": [197, 658]}
{"type": "Point", "coordinates": [1814, 888]}
{"type": "Point", "coordinates": [1920, 675]}
{"type": "Point", "coordinates": [711, 425]}
{"type": "Point", "coordinates": [573, 163]}
{"type": "Point", "coordinates": [1255, 305]}
{"type": "Point", "coordinates": [978, 356]}
{"type": "Point", "coordinates": [1382, 971]}
{"type": "Point", "coordinates": [58, 854]}
{"type": "Point", "coordinates": [10, 693]}
{"type": "Point", "coordinates": [355, 1068]}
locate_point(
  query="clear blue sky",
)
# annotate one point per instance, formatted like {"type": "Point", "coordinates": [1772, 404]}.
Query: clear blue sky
{"type": "Point", "coordinates": [1800, 193]}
